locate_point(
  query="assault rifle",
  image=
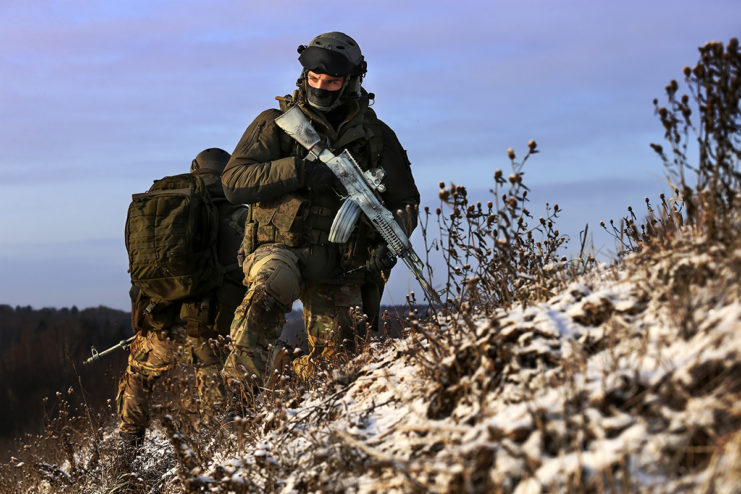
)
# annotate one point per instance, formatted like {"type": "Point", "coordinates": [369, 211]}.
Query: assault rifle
{"type": "Point", "coordinates": [361, 190]}
{"type": "Point", "coordinates": [123, 345]}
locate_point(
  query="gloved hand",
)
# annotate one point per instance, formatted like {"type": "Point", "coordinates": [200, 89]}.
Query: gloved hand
{"type": "Point", "coordinates": [381, 259]}
{"type": "Point", "coordinates": [318, 176]}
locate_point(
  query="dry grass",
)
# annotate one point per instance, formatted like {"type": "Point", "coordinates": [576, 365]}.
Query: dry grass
{"type": "Point", "coordinates": [540, 374]}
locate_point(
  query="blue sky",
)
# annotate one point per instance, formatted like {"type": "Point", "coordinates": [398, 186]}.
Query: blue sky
{"type": "Point", "coordinates": [98, 98]}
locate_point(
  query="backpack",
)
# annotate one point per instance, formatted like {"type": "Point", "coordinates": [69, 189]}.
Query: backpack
{"type": "Point", "coordinates": [171, 236]}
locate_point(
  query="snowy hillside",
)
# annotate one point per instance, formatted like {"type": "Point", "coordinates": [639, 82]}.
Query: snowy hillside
{"type": "Point", "coordinates": [627, 381]}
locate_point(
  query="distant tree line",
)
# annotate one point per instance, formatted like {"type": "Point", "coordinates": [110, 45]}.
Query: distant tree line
{"type": "Point", "coordinates": [41, 353]}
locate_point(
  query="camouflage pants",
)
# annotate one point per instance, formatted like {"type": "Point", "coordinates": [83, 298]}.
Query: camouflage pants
{"type": "Point", "coordinates": [274, 281]}
{"type": "Point", "coordinates": [153, 354]}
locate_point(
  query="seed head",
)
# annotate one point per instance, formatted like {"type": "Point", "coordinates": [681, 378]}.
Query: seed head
{"type": "Point", "coordinates": [672, 87]}
{"type": "Point", "coordinates": [531, 145]}
{"type": "Point", "coordinates": [511, 153]}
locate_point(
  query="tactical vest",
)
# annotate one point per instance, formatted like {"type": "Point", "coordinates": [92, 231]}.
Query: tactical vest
{"type": "Point", "coordinates": [304, 219]}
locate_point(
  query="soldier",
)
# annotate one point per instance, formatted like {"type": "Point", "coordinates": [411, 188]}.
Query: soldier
{"type": "Point", "coordinates": [184, 330]}
{"type": "Point", "coordinates": [293, 203]}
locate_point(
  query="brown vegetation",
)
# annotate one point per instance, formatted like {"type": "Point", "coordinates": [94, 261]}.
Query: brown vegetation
{"type": "Point", "coordinates": [41, 352]}
{"type": "Point", "coordinates": [539, 374]}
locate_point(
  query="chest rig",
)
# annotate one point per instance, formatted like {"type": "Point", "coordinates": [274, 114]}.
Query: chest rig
{"type": "Point", "coordinates": [303, 218]}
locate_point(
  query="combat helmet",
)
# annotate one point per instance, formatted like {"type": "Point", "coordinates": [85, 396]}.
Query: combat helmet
{"type": "Point", "coordinates": [336, 54]}
{"type": "Point", "coordinates": [211, 160]}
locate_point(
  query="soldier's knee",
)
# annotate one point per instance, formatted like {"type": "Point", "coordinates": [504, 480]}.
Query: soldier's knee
{"type": "Point", "coordinates": [277, 273]}
{"type": "Point", "coordinates": [283, 285]}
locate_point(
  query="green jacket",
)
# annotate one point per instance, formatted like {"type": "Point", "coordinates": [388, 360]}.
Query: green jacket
{"type": "Point", "coordinates": [266, 171]}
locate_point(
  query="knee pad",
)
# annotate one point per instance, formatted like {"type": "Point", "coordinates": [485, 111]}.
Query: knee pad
{"type": "Point", "coordinates": [278, 273]}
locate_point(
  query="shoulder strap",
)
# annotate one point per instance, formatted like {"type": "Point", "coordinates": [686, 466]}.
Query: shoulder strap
{"type": "Point", "coordinates": [374, 135]}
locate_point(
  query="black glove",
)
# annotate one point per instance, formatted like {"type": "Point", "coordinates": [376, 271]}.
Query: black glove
{"type": "Point", "coordinates": [318, 176]}
{"type": "Point", "coordinates": [381, 259]}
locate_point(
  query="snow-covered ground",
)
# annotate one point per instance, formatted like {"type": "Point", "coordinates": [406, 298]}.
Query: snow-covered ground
{"type": "Point", "coordinates": [628, 380]}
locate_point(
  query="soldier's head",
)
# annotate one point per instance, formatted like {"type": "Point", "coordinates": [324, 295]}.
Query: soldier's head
{"type": "Point", "coordinates": [333, 70]}
{"type": "Point", "coordinates": [211, 161]}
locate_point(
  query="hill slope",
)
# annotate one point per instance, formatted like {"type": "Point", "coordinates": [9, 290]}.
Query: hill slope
{"type": "Point", "coordinates": [628, 380]}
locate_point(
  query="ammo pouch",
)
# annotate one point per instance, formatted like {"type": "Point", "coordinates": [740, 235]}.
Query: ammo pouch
{"type": "Point", "coordinates": [149, 316]}
{"type": "Point", "coordinates": [197, 315]}
{"type": "Point", "coordinates": [280, 221]}
{"type": "Point", "coordinates": [209, 317]}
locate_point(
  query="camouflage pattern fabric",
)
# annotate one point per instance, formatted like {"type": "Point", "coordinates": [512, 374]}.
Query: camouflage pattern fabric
{"type": "Point", "coordinates": [288, 253]}
{"type": "Point", "coordinates": [153, 354]}
{"type": "Point", "coordinates": [274, 282]}
{"type": "Point", "coordinates": [328, 322]}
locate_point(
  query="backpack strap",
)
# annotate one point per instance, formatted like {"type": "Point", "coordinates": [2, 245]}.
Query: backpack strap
{"type": "Point", "coordinates": [374, 137]}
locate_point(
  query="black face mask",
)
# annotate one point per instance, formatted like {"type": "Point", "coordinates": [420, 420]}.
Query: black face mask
{"type": "Point", "coordinates": [322, 99]}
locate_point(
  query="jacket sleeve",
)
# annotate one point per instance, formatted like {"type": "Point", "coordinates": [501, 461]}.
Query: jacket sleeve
{"type": "Point", "coordinates": [261, 167]}
{"type": "Point", "coordinates": [401, 196]}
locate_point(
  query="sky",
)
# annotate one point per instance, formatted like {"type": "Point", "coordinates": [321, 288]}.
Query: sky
{"type": "Point", "coordinates": [99, 98]}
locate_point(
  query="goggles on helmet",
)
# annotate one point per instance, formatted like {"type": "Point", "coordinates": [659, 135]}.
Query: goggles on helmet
{"type": "Point", "coordinates": [323, 61]}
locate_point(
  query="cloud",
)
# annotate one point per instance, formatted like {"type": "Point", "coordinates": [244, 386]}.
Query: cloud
{"type": "Point", "coordinates": [100, 98]}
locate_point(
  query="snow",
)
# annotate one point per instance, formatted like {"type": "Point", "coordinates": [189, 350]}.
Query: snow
{"type": "Point", "coordinates": [625, 380]}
